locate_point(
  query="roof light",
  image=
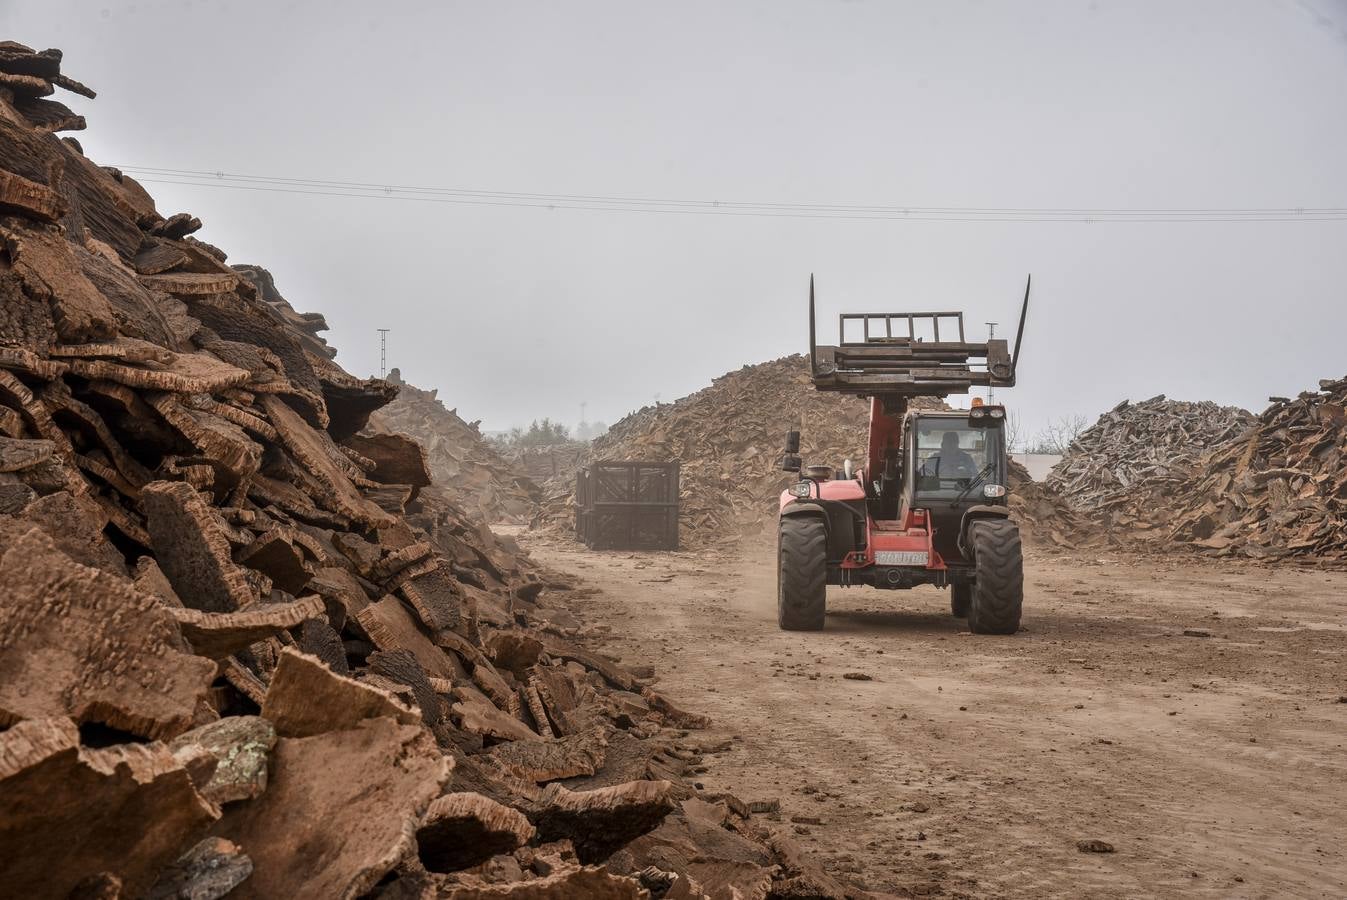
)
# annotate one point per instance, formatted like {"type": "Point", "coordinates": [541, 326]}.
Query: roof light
{"type": "Point", "coordinates": [977, 401]}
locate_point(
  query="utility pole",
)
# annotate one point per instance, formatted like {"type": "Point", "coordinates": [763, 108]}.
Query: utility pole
{"type": "Point", "coordinates": [991, 391]}
{"type": "Point", "coordinates": [383, 351]}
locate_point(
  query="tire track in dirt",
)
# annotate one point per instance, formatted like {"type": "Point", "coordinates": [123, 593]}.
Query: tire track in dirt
{"type": "Point", "coordinates": [971, 766]}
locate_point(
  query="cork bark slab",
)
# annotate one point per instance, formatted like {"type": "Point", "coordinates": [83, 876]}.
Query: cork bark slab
{"type": "Point", "coordinates": [211, 869]}
{"type": "Point", "coordinates": [479, 715]}
{"type": "Point", "coordinates": [435, 597]}
{"type": "Point", "coordinates": [236, 318]}
{"type": "Point", "coordinates": [26, 85]}
{"type": "Point", "coordinates": [484, 675]}
{"type": "Point", "coordinates": [22, 360]}
{"type": "Point", "coordinates": [401, 667]}
{"type": "Point", "coordinates": [397, 458]}
{"type": "Point", "coordinates": [46, 262]}
{"type": "Point", "coordinates": [192, 548]}
{"type": "Point", "coordinates": [464, 829]}
{"type": "Point", "coordinates": [376, 780]}
{"type": "Point", "coordinates": [75, 526]}
{"type": "Point", "coordinates": [78, 642]}
{"type": "Point", "coordinates": [240, 747]}
{"type": "Point", "coordinates": [68, 813]}
{"type": "Point", "coordinates": [49, 115]}
{"type": "Point", "coordinates": [276, 554]}
{"type": "Point", "coordinates": [95, 211]}
{"type": "Point", "coordinates": [217, 635]}
{"type": "Point", "coordinates": [314, 450]}
{"type": "Point", "coordinates": [23, 454]}
{"type": "Point", "coordinates": [189, 373]}
{"type": "Point", "coordinates": [393, 563]}
{"type": "Point", "coordinates": [240, 417]}
{"type": "Point", "coordinates": [156, 256]}
{"type": "Point", "coordinates": [62, 403]}
{"type": "Point", "coordinates": [20, 60]}
{"type": "Point", "coordinates": [612, 673]}
{"type": "Point", "coordinates": [600, 821]}
{"type": "Point", "coordinates": [127, 349]}
{"type": "Point", "coordinates": [26, 323]}
{"type": "Point", "coordinates": [590, 882]}
{"type": "Point", "coordinates": [18, 194]}
{"type": "Point", "coordinates": [557, 692]}
{"type": "Point", "coordinates": [307, 698]}
{"type": "Point", "coordinates": [391, 627]}
{"type": "Point", "coordinates": [151, 316]}
{"type": "Point", "coordinates": [543, 761]}
{"type": "Point", "coordinates": [191, 283]}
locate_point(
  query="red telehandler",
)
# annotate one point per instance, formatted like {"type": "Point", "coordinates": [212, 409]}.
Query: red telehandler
{"type": "Point", "coordinates": [929, 505]}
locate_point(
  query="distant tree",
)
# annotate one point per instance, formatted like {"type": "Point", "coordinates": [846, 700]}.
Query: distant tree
{"type": "Point", "coordinates": [540, 433]}
{"type": "Point", "coordinates": [1057, 435]}
{"type": "Point", "coordinates": [1014, 432]}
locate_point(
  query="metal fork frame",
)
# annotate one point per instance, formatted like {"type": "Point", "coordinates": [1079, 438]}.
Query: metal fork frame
{"type": "Point", "coordinates": [888, 319]}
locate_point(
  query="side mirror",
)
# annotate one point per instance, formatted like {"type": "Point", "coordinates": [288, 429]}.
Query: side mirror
{"type": "Point", "coordinates": [791, 462]}
{"type": "Point", "coordinates": [793, 442]}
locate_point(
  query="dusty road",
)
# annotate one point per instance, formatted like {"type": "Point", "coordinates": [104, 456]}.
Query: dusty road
{"type": "Point", "coordinates": [971, 766]}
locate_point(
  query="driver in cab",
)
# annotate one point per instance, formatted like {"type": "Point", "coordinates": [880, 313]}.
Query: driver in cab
{"type": "Point", "coordinates": [952, 461]}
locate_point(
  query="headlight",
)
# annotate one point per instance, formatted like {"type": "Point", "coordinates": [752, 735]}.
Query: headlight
{"type": "Point", "coordinates": [802, 489]}
{"type": "Point", "coordinates": [993, 490]}
{"type": "Point", "coordinates": [997, 413]}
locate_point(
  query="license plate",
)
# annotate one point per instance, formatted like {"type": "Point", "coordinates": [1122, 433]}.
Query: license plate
{"type": "Point", "coordinates": [900, 557]}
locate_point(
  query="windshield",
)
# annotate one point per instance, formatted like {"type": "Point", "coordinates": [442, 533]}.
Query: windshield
{"type": "Point", "coordinates": [951, 454]}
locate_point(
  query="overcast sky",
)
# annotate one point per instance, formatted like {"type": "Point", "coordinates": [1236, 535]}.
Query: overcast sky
{"type": "Point", "coordinates": [515, 313]}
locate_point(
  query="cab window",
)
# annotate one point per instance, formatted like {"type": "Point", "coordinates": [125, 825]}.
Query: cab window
{"type": "Point", "coordinates": [951, 454]}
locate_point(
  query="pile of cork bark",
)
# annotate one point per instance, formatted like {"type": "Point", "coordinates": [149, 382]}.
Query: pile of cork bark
{"type": "Point", "coordinates": [241, 650]}
{"type": "Point", "coordinates": [1140, 455]}
{"type": "Point", "coordinates": [729, 438]}
{"type": "Point", "coordinates": [466, 470]}
{"type": "Point", "coordinates": [1044, 516]}
{"type": "Point", "coordinates": [1279, 491]}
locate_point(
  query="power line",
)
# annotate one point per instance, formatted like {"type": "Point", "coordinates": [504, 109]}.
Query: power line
{"type": "Point", "coordinates": [602, 203]}
{"type": "Point", "coordinates": [383, 187]}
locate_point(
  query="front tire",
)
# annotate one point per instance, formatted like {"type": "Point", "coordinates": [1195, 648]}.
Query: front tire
{"type": "Point", "coordinates": [801, 573]}
{"type": "Point", "coordinates": [998, 594]}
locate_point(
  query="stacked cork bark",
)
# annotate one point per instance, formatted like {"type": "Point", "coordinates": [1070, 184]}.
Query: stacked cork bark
{"type": "Point", "coordinates": [242, 650]}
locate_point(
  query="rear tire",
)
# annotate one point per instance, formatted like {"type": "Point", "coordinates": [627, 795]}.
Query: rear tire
{"type": "Point", "coordinates": [960, 599]}
{"type": "Point", "coordinates": [802, 573]}
{"type": "Point", "coordinates": [998, 594]}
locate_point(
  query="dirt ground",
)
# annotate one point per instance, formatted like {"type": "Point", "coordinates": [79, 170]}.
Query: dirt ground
{"type": "Point", "coordinates": [1191, 715]}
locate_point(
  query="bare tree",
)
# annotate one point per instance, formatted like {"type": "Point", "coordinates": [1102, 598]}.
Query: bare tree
{"type": "Point", "coordinates": [1057, 435]}
{"type": "Point", "coordinates": [1014, 432]}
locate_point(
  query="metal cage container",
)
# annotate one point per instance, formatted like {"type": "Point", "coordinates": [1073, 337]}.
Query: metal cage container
{"type": "Point", "coordinates": [628, 505]}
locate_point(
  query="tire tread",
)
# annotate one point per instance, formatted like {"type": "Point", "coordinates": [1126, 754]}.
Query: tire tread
{"type": "Point", "coordinates": [998, 594]}
{"type": "Point", "coordinates": [802, 573]}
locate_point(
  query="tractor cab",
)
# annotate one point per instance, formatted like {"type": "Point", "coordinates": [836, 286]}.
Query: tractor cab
{"type": "Point", "coordinates": [955, 461]}
{"type": "Point", "coordinates": [929, 505]}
